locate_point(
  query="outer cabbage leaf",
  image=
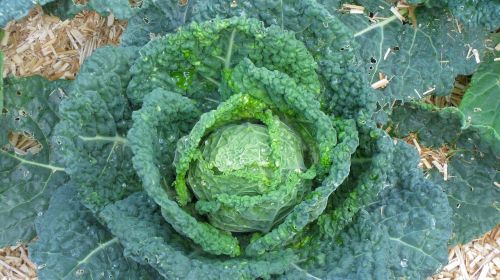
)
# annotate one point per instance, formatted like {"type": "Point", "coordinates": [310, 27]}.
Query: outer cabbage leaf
{"type": "Point", "coordinates": [367, 178]}
{"type": "Point", "coordinates": [480, 103]}
{"type": "Point", "coordinates": [469, 12]}
{"type": "Point", "coordinates": [158, 18]}
{"type": "Point", "coordinates": [29, 171]}
{"type": "Point", "coordinates": [93, 128]}
{"type": "Point", "coordinates": [402, 233]}
{"type": "Point", "coordinates": [471, 189]}
{"type": "Point", "coordinates": [73, 245]}
{"type": "Point", "coordinates": [137, 222]}
{"type": "Point", "coordinates": [121, 9]}
{"type": "Point", "coordinates": [416, 117]}
{"type": "Point", "coordinates": [472, 169]}
{"type": "Point", "coordinates": [1, 71]}
{"type": "Point", "coordinates": [344, 90]}
{"type": "Point", "coordinates": [420, 58]}
{"type": "Point", "coordinates": [280, 93]}
{"type": "Point", "coordinates": [13, 10]}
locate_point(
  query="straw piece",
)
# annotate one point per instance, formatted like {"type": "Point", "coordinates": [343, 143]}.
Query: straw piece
{"type": "Point", "coordinates": [44, 45]}
{"type": "Point", "coordinates": [479, 259]}
{"type": "Point", "coordinates": [14, 264]}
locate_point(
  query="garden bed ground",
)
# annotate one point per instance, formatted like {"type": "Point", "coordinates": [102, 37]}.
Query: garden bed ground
{"type": "Point", "coordinates": [44, 45]}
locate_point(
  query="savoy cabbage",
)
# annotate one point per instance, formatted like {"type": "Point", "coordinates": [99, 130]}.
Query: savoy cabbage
{"type": "Point", "coordinates": [245, 142]}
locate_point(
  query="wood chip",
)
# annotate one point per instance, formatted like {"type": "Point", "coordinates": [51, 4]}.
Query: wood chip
{"type": "Point", "coordinates": [461, 263]}
{"type": "Point", "coordinates": [396, 12]}
{"type": "Point", "coordinates": [428, 91]}
{"type": "Point", "coordinates": [480, 259]}
{"type": "Point", "coordinates": [445, 171]}
{"type": "Point", "coordinates": [5, 38]}
{"type": "Point", "coordinates": [44, 45]}
{"type": "Point", "coordinates": [111, 20]}
{"type": "Point", "coordinates": [387, 52]}
{"type": "Point", "coordinates": [484, 272]}
{"type": "Point", "coordinates": [14, 264]}
{"type": "Point", "coordinates": [458, 26]}
{"type": "Point", "coordinates": [380, 84]}
{"type": "Point", "coordinates": [352, 9]}
{"type": "Point", "coordinates": [451, 265]}
{"type": "Point", "coordinates": [475, 52]}
{"type": "Point", "coordinates": [469, 52]}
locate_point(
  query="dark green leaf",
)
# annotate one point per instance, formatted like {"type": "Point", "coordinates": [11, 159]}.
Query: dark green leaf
{"type": "Point", "coordinates": [402, 234]}
{"type": "Point", "coordinates": [93, 128]}
{"type": "Point", "coordinates": [29, 170]}
{"type": "Point", "coordinates": [73, 245]}
{"type": "Point", "coordinates": [121, 9]}
{"type": "Point", "coordinates": [147, 239]}
{"type": "Point", "coordinates": [472, 169]}
{"type": "Point", "coordinates": [421, 59]}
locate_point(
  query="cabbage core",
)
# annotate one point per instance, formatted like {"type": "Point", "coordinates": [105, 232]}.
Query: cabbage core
{"type": "Point", "coordinates": [247, 176]}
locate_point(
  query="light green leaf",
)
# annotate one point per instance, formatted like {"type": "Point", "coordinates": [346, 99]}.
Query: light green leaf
{"type": "Point", "coordinates": [210, 51]}
{"type": "Point", "coordinates": [480, 104]}
{"type": "Point", "coordinates": [161, 107]}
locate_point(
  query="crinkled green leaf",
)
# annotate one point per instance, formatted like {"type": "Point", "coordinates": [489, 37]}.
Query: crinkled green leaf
{"type": "Point", "coordinates": [161, 107]}
{"type": "Point", "coordinates": [420, 118]}
{"type": "Point", "coordinates": [367, 177]}
{"type": "Point", "coordinates": [121, 9]}
{"type": "Point", "coordinates": [147, 239]}
{"type": "Point", "coordinates": [93, 128]}
{"type": "Point", "coordinates": [158, 18]}
{"type": "Point", "coordinates": [383, 221]}
{"type": "Point", "coordinates": [420, 58]}
{"type": "Point", "coordinates": [29, 171]}
{"type": "Point", "coordinates": [469, 12]}
{"type": "Point", "coordinates": [13, 10]}
{"type": "Point", "coordinates": [344, 89]}
{"type": "Point", "coordinates": [401, 234]}
{"type": "Point", "coordinates": [209, 51]}
{"type": "Point", "coordinates": [278, 91]}
{"type": "Point", "coordinates": [281, 91]}
{"type": "Point", "coordinates": [73, 245]}
{"type": "Point", "coordinates": [472, 169]}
